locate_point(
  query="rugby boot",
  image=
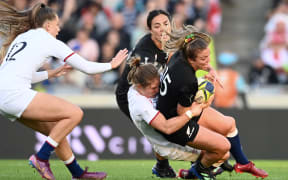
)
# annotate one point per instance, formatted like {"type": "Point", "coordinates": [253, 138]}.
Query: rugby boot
{"type": "Point", "coordinates": [250, 168]}
{"type": "Point", "coordinates": [166, 172]}
{"type": "Point", "coordinates": [91, 175]}
{"type": "Point", "coordinates": [226, 166]}
{"type": "Point", "coordinates": [217, 170]}
{"type": "Point", "coordinates": [186, 174]}
{"type": "Point", "coordinates": [201, 172]}
{"type": "Point", "coordinates": [43, 167]}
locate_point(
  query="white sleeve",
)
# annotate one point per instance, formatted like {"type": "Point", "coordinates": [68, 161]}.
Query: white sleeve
{"type": "Point", "coordinates": [65, 53]}
{"type": "Point", "coordinates": [86, 66]}
{"type": "Point", "coordinates": [148, 112]}
{"type": "Point", "coordinates": [39, 76]}
{"type": "Point", "coordinates": [59, 49]}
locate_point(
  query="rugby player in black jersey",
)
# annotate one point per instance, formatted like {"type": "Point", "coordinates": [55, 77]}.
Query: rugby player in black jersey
{"type": "Point", "coordinates": [177, 92]}
{"type": "Point", "coordinates": [149, 49]}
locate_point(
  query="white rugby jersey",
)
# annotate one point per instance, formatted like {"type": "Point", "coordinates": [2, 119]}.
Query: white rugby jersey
{"type": "Point", "coordinates": [26, 54]}
{"type": "Point", "coordinates": [29, 51]}
{"type": "Point", "coordinates": [143, 113]}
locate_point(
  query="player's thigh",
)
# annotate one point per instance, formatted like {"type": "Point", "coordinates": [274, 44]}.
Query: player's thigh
{"type": "Point", "coordinates": [45, 107]}
{"type": "Point", "coordinates": [210, 141]}
{"type": "Point", "coordinates": [216, 121]}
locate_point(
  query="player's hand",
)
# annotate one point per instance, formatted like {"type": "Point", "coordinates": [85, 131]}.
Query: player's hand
{"type": "Point", "coordinates": [196, 108]}
{"type": "Point", "coordinates": [60, 71]}
{"type": "Point", "coordinates": [208, 103]}
{"type": "Point", "coordinates": [212, 76]}
{"type": "Point", "coordinates": [119, 58]}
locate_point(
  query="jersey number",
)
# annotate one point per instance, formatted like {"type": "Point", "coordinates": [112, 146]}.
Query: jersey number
{"type": "Point", "coordinates": [16, 48]}
{"type": "Point", "coordinates": [165, 80]}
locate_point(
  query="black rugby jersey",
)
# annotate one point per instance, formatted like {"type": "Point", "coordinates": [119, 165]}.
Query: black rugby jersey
{"type": "Point", "coordinates": [178, 86]}
{"type": "Point", "coordinates": [149, 53]}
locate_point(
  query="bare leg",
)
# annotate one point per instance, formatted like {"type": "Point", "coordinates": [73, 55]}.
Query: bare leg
{"type": "Point", "coordinates": [215, 145]}
{"type": "Point", "coordinates": [63, 150]}
{"type": "Point", "coordinates": [48, 108]}
{"type": "Point", "coordinates": [216, 121]}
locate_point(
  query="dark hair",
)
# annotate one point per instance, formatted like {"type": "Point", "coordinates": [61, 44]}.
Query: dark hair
{"type": "Point", "coordinates": [13, 22]}
{"type": "Point", "coordinates": [141, 74]}
{"type": "Point", "coordinates": [155, 13]}
{"type": "Point", "coordinates": [192, 49]}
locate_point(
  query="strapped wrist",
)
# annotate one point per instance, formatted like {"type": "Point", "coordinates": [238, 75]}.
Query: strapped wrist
{"type": "Point", "coordinates": [189, 114]}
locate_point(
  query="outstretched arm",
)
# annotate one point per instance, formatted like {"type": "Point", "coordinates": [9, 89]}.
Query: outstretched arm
{"type": "Point", "coordinates": [89, 67]}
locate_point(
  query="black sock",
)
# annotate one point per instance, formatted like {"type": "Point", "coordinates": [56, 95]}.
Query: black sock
{"type": "Point", "coordinates": [162, 163]}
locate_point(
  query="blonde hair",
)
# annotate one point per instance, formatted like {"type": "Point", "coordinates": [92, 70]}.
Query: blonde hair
{"type": "Point", "coordinates": [141, 74]}
{"type": "Point", "coordinates": [13, 22]}
{"type": "Point", "coordinates": [188, 39]}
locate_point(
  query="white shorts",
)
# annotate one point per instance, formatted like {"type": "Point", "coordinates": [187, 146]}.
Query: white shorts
{"type": "Point", "coordinates": [177, 152]}
{"type": "Point", "coordinates": [14, 102]}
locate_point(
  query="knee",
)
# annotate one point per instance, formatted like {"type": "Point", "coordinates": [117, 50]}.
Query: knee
{"type": "Point", "coordinates": [224, 148]}
{"type": "Point", "coordinates": [226, 156]}
{"type": "Point", "coordinates": [77, 115]}
{"type": "Point", "coordinates": [231, 124]}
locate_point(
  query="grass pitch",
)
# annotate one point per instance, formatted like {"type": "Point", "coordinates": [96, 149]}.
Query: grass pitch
{"type": "Point", "coordinates": [130, 169]}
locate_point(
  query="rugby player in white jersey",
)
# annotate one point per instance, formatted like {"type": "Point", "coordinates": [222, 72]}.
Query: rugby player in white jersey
{"type": "Point", "coordinates": [30, 40]}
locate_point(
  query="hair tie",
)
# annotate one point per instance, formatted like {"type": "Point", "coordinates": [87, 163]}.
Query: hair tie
{"type": "Point", "coordinates": [189, 38]}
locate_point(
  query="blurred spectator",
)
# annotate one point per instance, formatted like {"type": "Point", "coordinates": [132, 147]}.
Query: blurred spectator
{"type": "Point", "coordinates": [276, 29]}
{"type": "Point", "coordinates": [233, 83]}
{"type": "Point", "coordinates": [117, 25]}
{"type": "Point", "coordinates": [94, 18]}
{"type": "Point", "coordinates": [130, 10]}
{"type": "Point", "coordinates": [276, 57]}
{"type": "Point", "coordinates": [214, 17]}
{"type": "Point", "coordinates": [261, 74]}
{"type": "Point", "coordinates": [111, 77]}
{"type": "Point", "coordinates": [139, 31]}
{"type": "Point", "coordinates": [86, 47]}
{"type": "Point", "coordinates": [178, 19]}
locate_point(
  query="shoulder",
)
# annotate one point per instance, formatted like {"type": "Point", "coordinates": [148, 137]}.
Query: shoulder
{"type": "Point", "coordinates": [146, 39]}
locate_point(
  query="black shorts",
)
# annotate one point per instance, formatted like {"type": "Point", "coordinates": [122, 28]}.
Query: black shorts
{"type": "Point", "coordinates": [186, 134]}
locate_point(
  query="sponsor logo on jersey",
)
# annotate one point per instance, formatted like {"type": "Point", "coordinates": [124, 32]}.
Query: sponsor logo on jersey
{"type": "Point", "coordinates": [189, 132]}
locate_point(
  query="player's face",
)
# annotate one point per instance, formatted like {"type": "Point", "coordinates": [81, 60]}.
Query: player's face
{"type": "Point", "coordinates": [159, 26]}
{"type": "Point", "coordinates": [152, 89]}
{"type": "Point", "coordinates": [202, 60]}
{"type": "Point", "coordinates": [52, 26]}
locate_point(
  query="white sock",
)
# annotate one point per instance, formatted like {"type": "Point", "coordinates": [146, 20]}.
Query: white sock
{"type": "Point", "coordinates": [52, 142]}
{"type": "Point", "coordinates": [70, 160]}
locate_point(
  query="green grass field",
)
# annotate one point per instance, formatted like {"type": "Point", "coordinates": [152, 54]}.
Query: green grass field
{"type": "Point", "coordinates": [130, 169]}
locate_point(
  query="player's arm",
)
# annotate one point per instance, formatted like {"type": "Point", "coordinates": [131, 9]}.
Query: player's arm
{"type": "Point", "coordinates": [43, 75]}
{"type": "Point", "coordinates": [89, 67]}
{"type": "Point", "coordinates": [173, 124]}
{"type": "Point", "coordinates": [62, 51]}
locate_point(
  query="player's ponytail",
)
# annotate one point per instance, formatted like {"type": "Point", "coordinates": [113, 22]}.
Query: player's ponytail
{"type": "Point", "coordinates": [14, 22]}
{"type": "Point", "coordinates": [141, 74]}
{"type": "Point", "coordinates": [188, 39]}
